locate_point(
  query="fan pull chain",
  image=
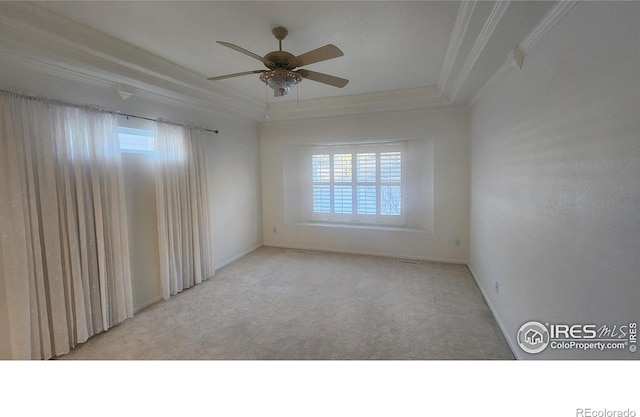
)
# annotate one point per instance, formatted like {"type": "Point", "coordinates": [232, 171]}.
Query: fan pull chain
{"type": "Point", "coordinates": [266, 93]}
{"type": "Point", "coordinates": [297, 98]}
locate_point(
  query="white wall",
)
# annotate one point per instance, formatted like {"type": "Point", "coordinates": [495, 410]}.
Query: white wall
{"type": "Point", "coordinates": [446, 132]}
{"type": "Point", "coordinates": [235, 193]}
{"type": "Point", "coordinates": [555, 199]}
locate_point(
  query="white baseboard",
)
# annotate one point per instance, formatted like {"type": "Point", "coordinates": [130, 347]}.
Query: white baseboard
{"type": "Point", "coordinates": [147, 304]}
{"type": "Point", "coordinates": [382, 254]}
{"type": "Point", "coordinates": [507, 336]}
{"type": "Point", "coordinates": [235, 258]}
{"type": "Point", "coordinates": [221, 265]}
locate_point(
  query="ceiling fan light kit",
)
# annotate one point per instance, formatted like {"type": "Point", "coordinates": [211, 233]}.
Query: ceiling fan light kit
{"type": "Point", "coordinates": [280, 75]}
{"type": "Point", "coordinates": [281, 80]}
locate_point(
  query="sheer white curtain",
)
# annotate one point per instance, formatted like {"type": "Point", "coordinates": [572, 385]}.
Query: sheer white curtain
{"type": "Point", "coordinates": [183, 209]}
{"type": "Point", "coordinates": [64, 256]}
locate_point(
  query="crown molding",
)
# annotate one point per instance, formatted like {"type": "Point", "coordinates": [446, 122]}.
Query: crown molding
{"type": "Point", "coordinates": [457, 36]}
{"type": "Point", "coordinates": [148, 92]}
{"type": "Point", "coordinates": [481, 42]}
{"type": "Point", "coordinates": [35, 38]}
{"type": "Point", "coordinates": [135, 88]}
{"type": "Point", "coordinates": [397, 100]}
{"type": "Point", "coordinates": [45, 67]}
{"type": "Point", "coordinates": [528, 43]}
{"type": "Point", "coordinates": [547, 22]}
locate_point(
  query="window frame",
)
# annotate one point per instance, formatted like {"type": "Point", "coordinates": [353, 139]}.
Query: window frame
{"type": "Point", "coordinates": [146, 133]}
{"type": "Point", "coordinates": [356, 218]}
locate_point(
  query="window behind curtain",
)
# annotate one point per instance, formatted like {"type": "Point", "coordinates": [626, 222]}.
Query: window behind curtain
{"type": "Point", "coordinates": [136, 140]}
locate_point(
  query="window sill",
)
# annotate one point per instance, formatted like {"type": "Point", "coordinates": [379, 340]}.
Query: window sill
{"type": "Point", "coordinates": [394, 228]}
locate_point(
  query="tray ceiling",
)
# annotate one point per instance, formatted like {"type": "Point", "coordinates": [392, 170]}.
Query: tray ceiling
{"type": "Point", "coordinates": [404, 54]}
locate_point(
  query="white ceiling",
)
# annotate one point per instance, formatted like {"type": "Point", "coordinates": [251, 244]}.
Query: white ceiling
{"type": "Point", "coordinates": [424, 53]}
{"type": "Point", "coordinates": [387, 45]}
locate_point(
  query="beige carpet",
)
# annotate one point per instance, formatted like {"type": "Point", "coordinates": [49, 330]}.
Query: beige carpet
{"type": "Point", "coordinates": [282, 304]}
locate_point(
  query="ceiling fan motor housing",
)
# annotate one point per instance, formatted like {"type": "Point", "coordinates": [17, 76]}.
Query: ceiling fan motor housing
{"type": "Point", "coordinates": [279, 59]}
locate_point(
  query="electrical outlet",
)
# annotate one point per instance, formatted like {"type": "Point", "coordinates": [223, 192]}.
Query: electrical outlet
{"type": "Point", "coordinates": [457, 243]}
{"type": "Point", "coordinates": [275, 230]}
{"type": "Point", "coordinates": [497, 287]}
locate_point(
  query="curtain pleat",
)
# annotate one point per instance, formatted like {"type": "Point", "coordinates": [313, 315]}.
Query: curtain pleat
{"type": "Point", "coordinates": [64, 246]}
{"type": "Point", "coordinates": [183, 209]}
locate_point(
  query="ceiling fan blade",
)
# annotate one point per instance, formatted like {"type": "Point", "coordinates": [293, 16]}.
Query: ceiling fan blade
{"type": "Point", "coordinates": [244, 51]}
{"type": "Point", "coordinates": [237, 74]}
{"type": "Point", "coordinates": [323, 78]}
{"type": "Point", "coordinates": [321, 54]}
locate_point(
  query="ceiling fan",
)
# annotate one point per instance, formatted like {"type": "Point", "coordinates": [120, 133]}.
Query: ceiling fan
{"type": "Point", "coordinates": [280, 75]}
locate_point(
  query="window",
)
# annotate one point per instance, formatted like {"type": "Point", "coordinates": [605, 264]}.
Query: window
{"type": "Point", "coordinates": [136, 140]}
{"type": "Point", "coordinates": [358, 184]}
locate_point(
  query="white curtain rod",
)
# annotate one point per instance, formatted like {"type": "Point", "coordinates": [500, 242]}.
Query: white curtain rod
{"type": "Point", "coordinates": [101, 110]}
